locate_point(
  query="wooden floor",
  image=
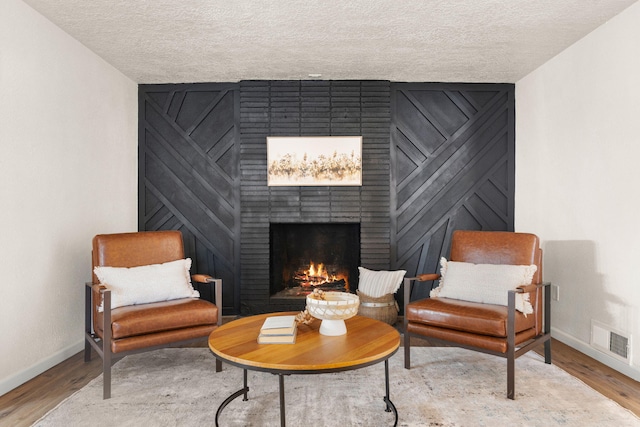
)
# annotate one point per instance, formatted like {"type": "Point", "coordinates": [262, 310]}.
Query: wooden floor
{"type": "Point", "coordinates": [27, 403]}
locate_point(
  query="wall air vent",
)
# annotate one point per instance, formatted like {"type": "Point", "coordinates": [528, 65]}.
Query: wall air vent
{"type": "Point", "coordinates": [619, 345]}
{"type": "Point", "coordinates": [613, 343]}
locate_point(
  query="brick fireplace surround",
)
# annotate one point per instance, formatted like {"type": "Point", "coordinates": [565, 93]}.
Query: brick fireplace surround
{"type": "Point", "coordinates": [340, 108]}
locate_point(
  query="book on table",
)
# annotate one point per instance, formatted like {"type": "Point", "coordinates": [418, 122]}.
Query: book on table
{"type": "Point", "coordinates": [278, 339]}
{"type": "Point", "coordinates": [278, 330]}
{"type": "Point", "coordinates": [278, 325]}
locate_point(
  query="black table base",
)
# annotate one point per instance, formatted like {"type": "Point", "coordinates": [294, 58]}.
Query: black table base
{"type": "Point", "coordinates": [390, 407]}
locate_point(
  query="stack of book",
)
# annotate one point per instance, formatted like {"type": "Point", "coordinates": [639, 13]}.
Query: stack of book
{"type": "Point", "coordinates": [278, 330]}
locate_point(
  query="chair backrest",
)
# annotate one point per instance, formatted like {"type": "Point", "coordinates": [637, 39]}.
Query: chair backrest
{"type": "Point", "coordinates": [136, 249]}
{"type": "Point", "coordinates": [497, 247]}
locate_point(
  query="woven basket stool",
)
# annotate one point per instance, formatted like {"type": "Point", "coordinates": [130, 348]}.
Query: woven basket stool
{"type": "Point", "coordinates": [384, 308]}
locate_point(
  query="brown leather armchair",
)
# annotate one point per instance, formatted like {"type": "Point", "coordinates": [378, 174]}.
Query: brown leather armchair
{"type": "Point", "coordinates": [493, 329]}
{"type": "Point", "coordinates": [118, 332]}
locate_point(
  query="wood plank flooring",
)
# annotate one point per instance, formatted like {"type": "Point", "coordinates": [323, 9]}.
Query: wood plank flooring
{"type": "Point", "coordinates": [27, 403]}
{"type": "Point", "coordinates": [611, 383]}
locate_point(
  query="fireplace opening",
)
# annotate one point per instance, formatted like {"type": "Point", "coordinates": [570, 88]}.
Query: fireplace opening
{"type": "Point", "coordinates": [306, 256]}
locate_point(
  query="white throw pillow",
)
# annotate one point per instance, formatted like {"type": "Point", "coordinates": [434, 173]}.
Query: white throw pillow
{"type": "Point", "coordinates": [484, 283]}
{"type": "Point", "coordinates": [147, 283]}
{"type": "Point", "coordinates": [378, 283]}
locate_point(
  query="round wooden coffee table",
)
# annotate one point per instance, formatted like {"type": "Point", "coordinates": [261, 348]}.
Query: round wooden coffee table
{"type": "Point", "coordinates": [366, 342]}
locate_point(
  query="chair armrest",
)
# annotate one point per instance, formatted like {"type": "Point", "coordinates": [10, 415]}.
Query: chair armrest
{"type": "Point", "coordinates": [427, 277]}
{"type": "Point", "coordinates": [524, 289]}
{"type": "Point", "coordinates": [95, 295]}
{"type": "Point", "coordinates": [217, 284]}
{"type": "Point", "coordinates": [530, 288]}
{"type": "Point", "coordinates": [201, 278]}
{"type": "Point", "coordinates": [99, 286]}
{"type": "Point", "coordinates": [546, 304]}
{"type": "Point", "coordinates": [106, 297]}
{"type": "Point", "coordinates": [98, 289]}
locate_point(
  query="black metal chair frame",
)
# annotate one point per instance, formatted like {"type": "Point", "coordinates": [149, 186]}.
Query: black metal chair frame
{"type": "Point", "coordinates": [103, 346]}
{"type": "Point", "coordinates": [513, 351]}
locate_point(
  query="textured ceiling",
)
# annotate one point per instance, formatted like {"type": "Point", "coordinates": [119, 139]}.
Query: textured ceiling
{"type": "Point", "coordinates": [173, 41]}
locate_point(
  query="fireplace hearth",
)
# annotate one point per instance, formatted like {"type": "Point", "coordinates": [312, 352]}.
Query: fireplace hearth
{"type": "Point", "coordinates": [308, 256]}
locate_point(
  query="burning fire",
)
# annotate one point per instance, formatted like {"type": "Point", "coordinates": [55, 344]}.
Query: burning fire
{"type": "Point", "coordinates": [317, 274]}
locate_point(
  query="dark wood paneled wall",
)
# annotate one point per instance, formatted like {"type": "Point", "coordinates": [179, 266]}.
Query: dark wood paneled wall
{"type": "Point", "coordinates": [189, 176]}
{"type": "Point", "coordinates": [436, 157]}
{"type": "Point", "coordinates": [453, 168]}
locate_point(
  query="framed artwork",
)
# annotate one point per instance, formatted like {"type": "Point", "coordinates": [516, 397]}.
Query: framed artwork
{"type": "Point", "coordinates": [314, 160]}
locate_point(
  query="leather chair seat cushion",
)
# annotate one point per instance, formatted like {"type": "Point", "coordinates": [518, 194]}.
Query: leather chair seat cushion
{"type": "Point", "coordinates": [161, 339]}
{"type": "Point", "coordinates": [475, 318]}
{"type": "Point", "coordinates": [152, 318]}
{"type": "Point", "coordinates": [466, 339]}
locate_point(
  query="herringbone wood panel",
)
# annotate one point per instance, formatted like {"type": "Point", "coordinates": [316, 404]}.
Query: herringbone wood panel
{"type": "Point", "coordinates": [452, 148]}
{"type": "Point", "coordinates": [189, 176]}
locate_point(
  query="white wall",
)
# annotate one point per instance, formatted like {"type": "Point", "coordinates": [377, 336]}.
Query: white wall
{"type": "Point", "coordinates": [578, 179]}
{"type": "Point", "coordinates": [68, 171]}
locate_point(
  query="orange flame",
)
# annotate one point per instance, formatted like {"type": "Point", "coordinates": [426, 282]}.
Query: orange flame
{"type": "Point", "coordinates": [317, 271]}
{"type": "Point", "coordinates": [317, 274]}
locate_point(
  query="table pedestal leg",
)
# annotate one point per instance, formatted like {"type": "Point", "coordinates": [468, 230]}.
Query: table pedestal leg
{"type": "Point", "coordinates": [387, 400]}
{"type": "Point", "coordinates": [282, 413]}
{"type": "Point", "coordinates": [243, 391]}
{"type": "Point", "coordinates": [246, 388]}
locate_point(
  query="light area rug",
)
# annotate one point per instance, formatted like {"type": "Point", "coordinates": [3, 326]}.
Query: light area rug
{"type": "Point", "coordinates": [445, 387]}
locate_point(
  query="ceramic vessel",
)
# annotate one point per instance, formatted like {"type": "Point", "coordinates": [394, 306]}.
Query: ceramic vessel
{"type": "Point", "coordinates": [333, 310]}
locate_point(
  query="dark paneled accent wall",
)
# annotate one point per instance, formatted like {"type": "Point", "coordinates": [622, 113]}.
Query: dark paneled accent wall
{"type": "Point", "coordinates": [189, 176]}
{"type": "Point", "coordinates": [453, 168]}
{"type": "Point", "coordinates": [436, 157]}
{"type": "Point", "coordinates": [311, 108]}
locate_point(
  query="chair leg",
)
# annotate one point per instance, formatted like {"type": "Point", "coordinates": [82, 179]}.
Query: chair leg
{"type": "Point", "coordinates": [405, 322]}
{"type": "Point", "coordinates": [407, 350]}
{"type": "Point", "coordinates": [547, 323]}
{"type": "Point", "coordinates": [547, 352]}
{"type": "Point", "coordinates": [87, 350]}
{"type": "Point", "coordinates": [511, 359]}
{"type": "Point", "coordinates": [106, 374]}
{"type": "Point", "coordinates": [511, 344]}
{"type": "Point", "coordinates": [87, 322]}
{"type": "Point", "coordinates": [106, 345]}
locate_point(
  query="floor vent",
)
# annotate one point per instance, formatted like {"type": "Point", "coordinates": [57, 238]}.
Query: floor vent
{"type": "Point", "coordinates": [614, 343]}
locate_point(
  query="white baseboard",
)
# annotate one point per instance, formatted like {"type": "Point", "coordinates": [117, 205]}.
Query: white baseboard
{"type": "Point", "coordinates": [585, 348]}
{"type": "Point", "coordinates": [8, 384]}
